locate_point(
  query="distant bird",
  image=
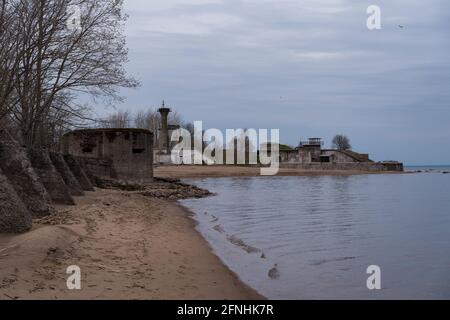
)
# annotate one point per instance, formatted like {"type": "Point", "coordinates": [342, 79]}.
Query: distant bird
{"type": "Point", "coordinates": [274, 273]}
{"type": "Point", "coordinates": [400, 26]}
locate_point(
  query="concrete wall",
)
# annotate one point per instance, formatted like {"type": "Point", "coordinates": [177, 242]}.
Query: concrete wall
{"type": "Point", "coordinates": [352, 166]}
{"type": "Point", "coordinates": [308, 155]}
{"type": "Point", "coordinates": [393, 166]}
{"type": "Point", "coordinates": [303, 155]}
{"type": "Point", "coordinates": [17, 168]}
{"type": "Point", "coordinates": [129, 150]}
{"type": "Point", "coordinates": [290, 156]}
{"type": "Point", "coordinates": [14, 216]}
{"type": "Point", "coordinates": [102, 168]}
{"type": "Point", "coordinates": [50, 177]}
{"type": "Point", "coordinates": [69, 179]}
{"type": "Point", "coordinates": [338, 157]}
{"type": "Point", "coordinates": [78, 172]}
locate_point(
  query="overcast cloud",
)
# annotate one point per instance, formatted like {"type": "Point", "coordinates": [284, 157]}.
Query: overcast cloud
{"type": "Point", "coordinates": [310, 68]}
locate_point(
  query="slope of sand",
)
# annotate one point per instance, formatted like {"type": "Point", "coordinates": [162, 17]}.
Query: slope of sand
{"type": "Point", "coordinates": [184, 172]}
{"type": "Point", "coordinates": [128, 246]}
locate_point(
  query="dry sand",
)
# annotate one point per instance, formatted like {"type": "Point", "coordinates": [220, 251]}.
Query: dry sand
{"type": "Point", "coordinates": [128, 246]}
{"type": "Point", "coordinates": [184, 172]}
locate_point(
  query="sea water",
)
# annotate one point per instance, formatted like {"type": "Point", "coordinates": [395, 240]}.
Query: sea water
{"type": "Point", "coordinates": [321, 233]}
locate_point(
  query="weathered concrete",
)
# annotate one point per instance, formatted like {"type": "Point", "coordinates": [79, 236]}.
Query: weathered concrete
{"type": "Point", "coordinates": [50, 177]}
{"type": "Point", "coordinates": [79, 173]}
{"type": "Point", "coordinates": [14, 216]}
{"type": "Point", "coordinates": [351, 166]}
{"type": "Point", "coordinates": [17, 168]}
{"type": "Point", "coordinates": [97, 170]}
{"type": "Point", "coordinates": [86, 170]}
{"type": "Point", "coordinates": [71, 182]}
{"type": "Point", "coordinates": [305, 158]}
{"type": "Point", "coordinates": [129, 150]}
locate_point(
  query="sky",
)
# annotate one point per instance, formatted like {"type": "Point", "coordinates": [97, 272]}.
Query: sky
{"type": "Point", "coordinates": [310, 68]}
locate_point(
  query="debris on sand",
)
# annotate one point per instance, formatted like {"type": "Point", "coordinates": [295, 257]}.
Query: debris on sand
{"type": "Point", "coordinates": [240, 243]}
{"type": "Point", "coordinates": [219, 229]}
{"type": "Point", "coordinates": [274, 273]}
{"type": "Point", "coordinates": [174, 190]}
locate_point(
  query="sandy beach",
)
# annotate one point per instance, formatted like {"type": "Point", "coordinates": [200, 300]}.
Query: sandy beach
{"type": "Point", "coordinates": [185, 172]}
{"type": "Point", "coordinates": [128, 246]}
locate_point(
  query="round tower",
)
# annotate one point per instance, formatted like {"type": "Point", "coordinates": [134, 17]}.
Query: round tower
{"type": "Point", "coordinates": [164, 130]}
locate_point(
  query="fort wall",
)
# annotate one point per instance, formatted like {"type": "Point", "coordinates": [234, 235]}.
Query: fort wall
{"type": "Point", "coordinates": [125, 154]}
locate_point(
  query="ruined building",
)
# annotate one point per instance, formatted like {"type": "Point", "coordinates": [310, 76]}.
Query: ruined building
{"type": "Point", "coordinates": [125, 154]}
{"type": "Point", "coordinates": [310, 156]}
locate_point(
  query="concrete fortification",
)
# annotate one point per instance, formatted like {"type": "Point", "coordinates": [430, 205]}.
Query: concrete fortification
{"type": "Point", "coordinates": [14, 216]}
{"type": "Point", "coordinates": [79, 173]}
{"type": "Point", "coordinates": [17, 168]}
{"type": "Point", "coordinates": [50, 177]}
{"type": "Point", "coordinates": [71, 182]}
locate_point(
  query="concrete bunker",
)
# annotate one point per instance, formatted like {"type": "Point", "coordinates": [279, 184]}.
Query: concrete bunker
{"type": "Point", "coordinates": [125, 154]}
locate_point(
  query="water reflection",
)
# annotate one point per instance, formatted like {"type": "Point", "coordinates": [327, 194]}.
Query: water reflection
{"type": "Point", "coordinates": [323, 232]}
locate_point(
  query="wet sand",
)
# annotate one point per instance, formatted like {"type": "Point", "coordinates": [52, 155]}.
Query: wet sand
{"type": "Point", "coordinates": [185, 172]}
{"type": "Point", "coordinates": [127, 245]}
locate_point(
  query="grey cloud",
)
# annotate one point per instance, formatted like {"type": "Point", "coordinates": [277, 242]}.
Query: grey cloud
{"type": "Point", "coordinates": [310, 68]}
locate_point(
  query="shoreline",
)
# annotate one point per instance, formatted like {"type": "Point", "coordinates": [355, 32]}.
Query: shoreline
{"type": "Point", "coordinates": [128, 246]}
{"type": "Point", "coordinates": [198, 172]}
{"type": "Point", "coordinates": [191, 215]}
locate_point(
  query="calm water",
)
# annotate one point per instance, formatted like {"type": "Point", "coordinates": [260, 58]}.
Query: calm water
{"type": "Point", "coordinates": [323, 233]}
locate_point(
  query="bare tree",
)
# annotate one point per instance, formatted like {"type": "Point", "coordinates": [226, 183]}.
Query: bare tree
{"type": "Point", "coordinates": [120, 119]}
{"type": "Point", "coordinates": [175, 118]}
{"type": "Point", "coordinates": [341, 142]}
{"type": "Point", "coordinates": [150, 120]}
{"type": "Point", "coordinates": [58, 63]}
{"type": "Point", "coordinates": [10, 54]}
